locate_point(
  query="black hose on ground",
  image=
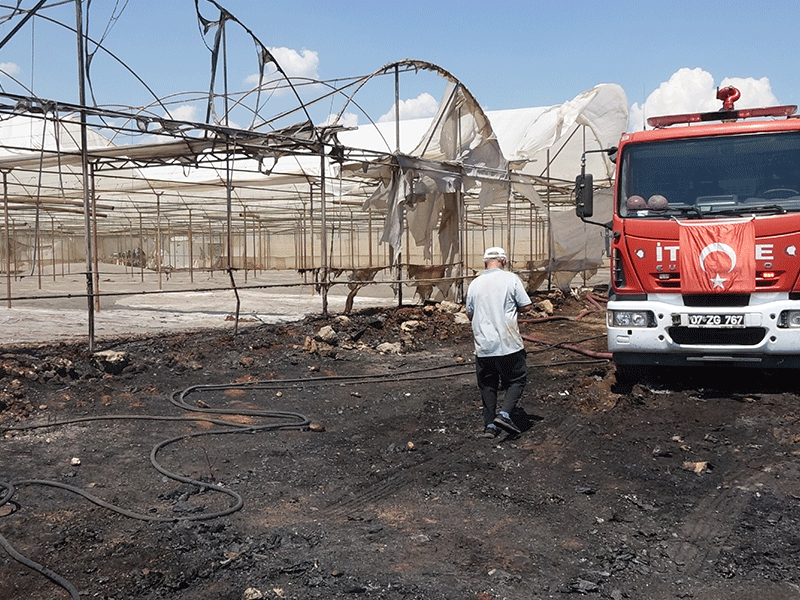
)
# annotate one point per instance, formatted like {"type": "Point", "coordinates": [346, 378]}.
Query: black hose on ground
{"type": "Point", "coordinates": [8, 489]}
{"type": "Point", "coordinates": [295, 421]}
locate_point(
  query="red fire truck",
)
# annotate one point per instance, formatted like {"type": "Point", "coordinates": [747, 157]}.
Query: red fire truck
{"type": "Point", "coordinates": [705, 239]}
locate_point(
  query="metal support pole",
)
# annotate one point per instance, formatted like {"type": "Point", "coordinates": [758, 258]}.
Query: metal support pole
{"type": "Point", "coordinates": [229, 210]}
{"type": "Point", "coordinates": [37, 257]}
{"type": "Point", "coordinates": [396, 255]}
{"type": "Point", "coordinates": [311, 223]}
{"type": "Point", "coordinates": [8, 239]}
{"type": "Point", "coordinates": [63, 260]}
{"type": "Point", "coordinates": [158, 238]}
{"type": "Point", "coordinates": [191, 249]}
{"type": "Point", "coordinates": [324, 232]}
{"type": "Point", "coordinates": [14, 236]}
{"type": "Point", "coordinates": [170, 239]}
{"type": "Point", "coordinates": [85, 166]}
{"type": "Point", "coordinates": [549, 230]}
{"type": "Point", "coordinates": [462, 246]}
{"type": "Point", "coordinates": [211, 248]}
{"type": "Point", "coordinates": [353, 242]}
{"type": "Point", "coordinates": [509, 249]}
{"type": "Point", "coordinates": [95, 245]}
{"type": "Point", "coordinates": [53, 242]}
{"type": "Point", "coordinates": [255, 245]}
{"type": "Point", "coordinates": [369, 235]}
{"type": "Point", "coordinates": [530, 231]}
{"type": "Point", "coordinates": [244, 242]}
{"type": "Point", "coordinates": [268, 250]}
{"type": "Point", "coordinates": [142, 254]}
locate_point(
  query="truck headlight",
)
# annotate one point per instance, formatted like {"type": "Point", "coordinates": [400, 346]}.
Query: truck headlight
{"type": "Point", "coordinates": [630, 318]}
{"type": "Point", "coordinates": [789, 319]}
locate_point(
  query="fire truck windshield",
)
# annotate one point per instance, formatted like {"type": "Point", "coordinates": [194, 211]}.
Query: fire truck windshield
{"type": "Point", "coordinates": [711, 176]}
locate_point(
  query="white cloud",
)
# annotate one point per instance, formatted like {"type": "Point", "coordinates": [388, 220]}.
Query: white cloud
{"type": "Point", "coordinates": [755, 92]}
{"type": "Point", "coordinates": [9, 68]}
{"type": "Point", "coordinates": [346, 120]}
{"type": "Point", "coordinates": [423, 105]}
{"type": "Point", "coordinates": [694, 90]}
{"type": "Point", "coordinates": [295, 64]}
{"type": "Point", "coordinates": [189, 113]}
{"type": "Point", "coordinates": [184, 112]}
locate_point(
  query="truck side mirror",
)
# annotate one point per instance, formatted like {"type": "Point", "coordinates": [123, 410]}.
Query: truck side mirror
{"type": "Point", "coordinates": [584, 199]}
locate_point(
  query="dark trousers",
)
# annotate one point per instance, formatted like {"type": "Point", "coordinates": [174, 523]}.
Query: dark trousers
{"type": "Point", "coordinates": [510, 372]}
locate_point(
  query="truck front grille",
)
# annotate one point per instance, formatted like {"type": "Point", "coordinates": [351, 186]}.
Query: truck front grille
{"type": "Point", "coordinates": [700, 336]}
{"type": "Point", "coordinates": [716, 299]}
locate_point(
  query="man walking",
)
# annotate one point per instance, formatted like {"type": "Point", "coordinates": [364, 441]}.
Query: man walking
{"type": "Point", "coordinates": [494, 299]}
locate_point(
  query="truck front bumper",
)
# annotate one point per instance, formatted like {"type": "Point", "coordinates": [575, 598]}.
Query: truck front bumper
{"type": "Point", "coordinates": [670, 333]}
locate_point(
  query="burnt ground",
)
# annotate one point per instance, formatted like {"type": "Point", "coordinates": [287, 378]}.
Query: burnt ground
{"type": "Point", "coordinates": [361, 474]}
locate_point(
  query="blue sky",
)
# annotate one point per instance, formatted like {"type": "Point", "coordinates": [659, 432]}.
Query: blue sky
{"type": "Point", "coordinates": [668, 54]}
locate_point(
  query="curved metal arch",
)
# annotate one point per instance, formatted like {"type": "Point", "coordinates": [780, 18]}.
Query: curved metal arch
{"type": "Point", "coordinates": [264, 55]}
{"type": "Point", "coordinates": [416, 65]}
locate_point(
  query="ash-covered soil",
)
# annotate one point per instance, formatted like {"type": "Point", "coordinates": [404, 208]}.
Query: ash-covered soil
{"type": "Point", "coordinates": [276, 464]}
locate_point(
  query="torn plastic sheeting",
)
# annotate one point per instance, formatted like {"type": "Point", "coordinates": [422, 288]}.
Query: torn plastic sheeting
{"type": "Point", "coordinates": [460, 129]}
{"type": "Point", "coordinates": [527, 133]}
{"type": "Point", "coordinates": [579, 247]}
{"type": "Point", "coordinates": [527, 190]}
{"type": "Point", "coordinates": [417, 186]}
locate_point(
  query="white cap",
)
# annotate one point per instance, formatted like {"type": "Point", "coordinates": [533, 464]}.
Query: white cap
{"type": "Point", "coordinates": [495, 253]}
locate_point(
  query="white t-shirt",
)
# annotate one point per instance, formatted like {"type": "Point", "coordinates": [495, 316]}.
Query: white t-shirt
{"type": "Point", "coordinates": [492, 300]}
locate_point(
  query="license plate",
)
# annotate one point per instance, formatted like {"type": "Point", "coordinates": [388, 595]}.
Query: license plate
{"type": "Point", "coordinates": [715, 320]}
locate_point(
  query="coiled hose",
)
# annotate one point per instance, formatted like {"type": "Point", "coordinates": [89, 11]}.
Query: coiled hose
{"type": "Point", "coordinates": [286, 420]}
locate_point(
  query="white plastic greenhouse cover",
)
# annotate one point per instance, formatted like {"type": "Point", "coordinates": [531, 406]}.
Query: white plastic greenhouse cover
{"type": "Point", "coordinates": [462, 148]}
{"type": "Point", "coordinates": [503, 151]}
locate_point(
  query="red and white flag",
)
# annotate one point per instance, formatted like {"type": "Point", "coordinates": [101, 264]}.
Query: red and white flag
{"type": "Point", "coordinates": [718, 257]}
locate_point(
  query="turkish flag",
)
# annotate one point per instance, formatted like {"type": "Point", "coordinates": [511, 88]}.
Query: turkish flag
{"type": "Point", "coordinates": [718, 257]}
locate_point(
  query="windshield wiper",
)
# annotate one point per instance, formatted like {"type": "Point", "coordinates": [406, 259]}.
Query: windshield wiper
{"type": "Point", "coordinates": [668, 213]}
{"type": "Point", "coordinates": [749, 210]}
{"type": "Point", "coordinates": [682, 210]}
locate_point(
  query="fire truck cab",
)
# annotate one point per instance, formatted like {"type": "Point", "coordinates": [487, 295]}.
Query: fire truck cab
{"type": "Point", "coordinates": [705, 239]}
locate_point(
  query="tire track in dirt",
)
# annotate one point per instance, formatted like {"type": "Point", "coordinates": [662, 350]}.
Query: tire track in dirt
{"type": "Point", "coordinates": [356, 499]}
{"type": "Point", "coordinates": [549, 448]}
{"type": "Point", "coordinates": [383, 488]}
{"type": "Point", "coordinates": [705, 529]}
{"type": "Point", "coordinates": [554, 447]}
{"type": "Point", "coordinates": [708, 526]}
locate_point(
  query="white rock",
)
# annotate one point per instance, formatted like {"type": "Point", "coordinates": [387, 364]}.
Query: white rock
{"type": "Point", "coordinates": [410, 325]}
{"type": "Point", "coordinates": [461, 318]}
{"type": "Point", "coordinates": [390, 348]}
{"type": "Point", "coordinates": [328, 335]}
{"type": "Point", "coordinates": [447, 306]}
{"type": "Point", "coordinates": [111, 361]}
{"type": "Point", "coordinates": [545, 306]}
